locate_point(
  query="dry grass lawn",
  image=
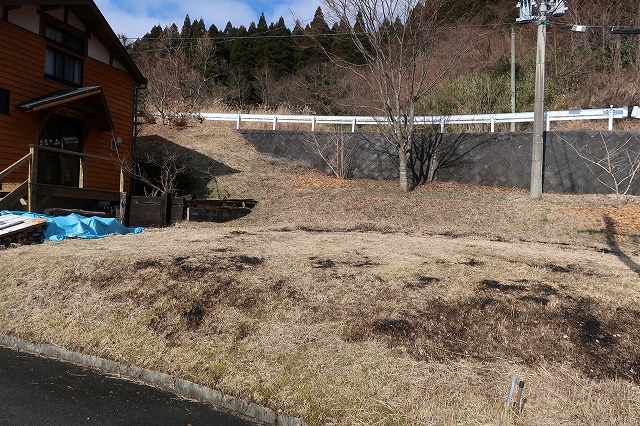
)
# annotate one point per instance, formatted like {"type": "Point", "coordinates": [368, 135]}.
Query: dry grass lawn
{"type": "Point", "coordinates": [347, 302]}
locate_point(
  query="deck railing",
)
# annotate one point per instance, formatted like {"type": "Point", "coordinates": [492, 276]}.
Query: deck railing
{"type": "Point", "coordinates": [33, 188]}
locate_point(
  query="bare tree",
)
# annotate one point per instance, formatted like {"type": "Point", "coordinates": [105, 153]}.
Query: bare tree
{"type": "Point", "coordinates": [239, 89]}
{"type": "Point", "coordinates": [158, 171]}
{"type": "Point", "coordinates": [396, 39]}
{"type": "Point", "coordinates": [264, 84]}
{"type": "Point", "coordinates": [162, 68]}
{"type": "Point", "coordinates": [163, 71]}
{"type": "Point", "coordinates": [615, 162]}
{"type": "Point", "coordinates": [203, 69]}
{"type": "Point", "coordinates": [212, 176]}
{"type": "Point", "coordinates": [334, 151]}
{"type": "Point", "coordinates": [179, 73]}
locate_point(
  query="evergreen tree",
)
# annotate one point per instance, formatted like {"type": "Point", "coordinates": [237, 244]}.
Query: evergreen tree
{"type": "Point", "coordinates": [213, 32]}
{"type": "Point", "coordinates": [320, 31]}
{"type": "Point", "coordinates": [298, 40]}
{"type": "Point", "coordinates": [241, 59]}
{"type": "Point", "coordinates": [262, 25]}
{"type": "Point", "coordinates": [186, 28]}
{"type": "Point", "coordinates": [155, 33]}
{"type": "Point", "coordinates": [221, 50]}
{"type": "Point", "coordinates": [313, 43]}
{"type": "Point", "coordinates": [198, 29]}
{"type": "Point", "coordinates": [172, 35]}
{"type": "Point", "coordinates": [342, 45]}
{"type": "Point", "coordinates": [358, 29]}
{"type": "Point", "coordinates": [224, 42]}
{"type": "Point", "coordinates": [320, 81]}
{"type": "Point", "coordinates": [229, 29]}
{"type": "Point", "coordinates": [261, 44]}
{"type": "Point", "coordinates": [280, 49]}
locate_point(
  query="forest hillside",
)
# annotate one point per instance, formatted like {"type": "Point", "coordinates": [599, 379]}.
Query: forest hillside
{"type": "Point", "coordinates": [192, 66]}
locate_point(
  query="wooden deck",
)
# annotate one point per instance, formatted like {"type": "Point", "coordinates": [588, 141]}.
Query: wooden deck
{"type": "Point", "coordinates": [73, 192]}
{"type": "Point", "coordinates": [33, 194]}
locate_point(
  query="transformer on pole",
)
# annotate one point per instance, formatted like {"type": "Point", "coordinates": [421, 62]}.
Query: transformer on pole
{"type": "Point", "coordinates": [530, 9]}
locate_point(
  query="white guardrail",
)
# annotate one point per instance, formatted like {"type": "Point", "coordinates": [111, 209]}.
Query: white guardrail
{"type": "Point", "coordinates": [609, 114]}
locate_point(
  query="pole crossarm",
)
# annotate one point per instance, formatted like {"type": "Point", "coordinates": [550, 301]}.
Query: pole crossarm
{"type": "Point", "coordinates": [625, 30]}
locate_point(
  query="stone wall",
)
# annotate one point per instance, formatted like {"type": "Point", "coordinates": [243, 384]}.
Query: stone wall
{"type": "Point", "coordinates": [493, 159]}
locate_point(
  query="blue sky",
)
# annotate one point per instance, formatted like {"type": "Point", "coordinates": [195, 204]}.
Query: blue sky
{"type": "Point", "coordinates": [135, 18]}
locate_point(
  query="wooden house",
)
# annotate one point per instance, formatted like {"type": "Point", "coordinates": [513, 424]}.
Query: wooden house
{"type": "Point", "coordinates": [68, 90]}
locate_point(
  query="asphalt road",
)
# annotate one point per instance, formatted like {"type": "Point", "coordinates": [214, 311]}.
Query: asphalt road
{"type": "Point", "coordinates": [41, 391]}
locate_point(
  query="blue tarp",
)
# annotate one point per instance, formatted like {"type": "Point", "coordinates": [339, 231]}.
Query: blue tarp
{"type": "Point", "coordinates": [78, 226]}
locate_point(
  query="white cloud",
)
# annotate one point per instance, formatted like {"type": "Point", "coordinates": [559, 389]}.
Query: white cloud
{"type": "Point", "coordinates": [122, 22]}
{"type": "Point", "coordinates": [302, 10]}
{"type": "Point", "coordinates": [136, 18]}
{"type": "Point", "coordinates": [218, 12]}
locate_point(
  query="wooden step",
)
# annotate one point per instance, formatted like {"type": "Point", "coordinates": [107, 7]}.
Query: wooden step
{"type": "Point", "coordinates": [13, 198]}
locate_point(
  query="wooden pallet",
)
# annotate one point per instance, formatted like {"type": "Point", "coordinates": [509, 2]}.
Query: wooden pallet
{"type": "Point", "coordinates": [12, 224]}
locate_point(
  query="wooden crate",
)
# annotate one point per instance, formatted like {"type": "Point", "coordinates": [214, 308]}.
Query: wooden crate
{"type": "Point", "coordinates": [219, 210]}
{"type": "Point", "coordinates": [165, 210]}
{"type": "Point", "coordinates": [152, 211]}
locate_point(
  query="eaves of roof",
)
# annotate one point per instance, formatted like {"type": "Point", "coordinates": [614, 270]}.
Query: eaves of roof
{"type": "Point", "coordinates": [96, 23]}
{"type": "Point", "coordinates": [90, 100]}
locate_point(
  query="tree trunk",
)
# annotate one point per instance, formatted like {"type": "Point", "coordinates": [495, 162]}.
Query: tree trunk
{"type": "Point", "coordinates": [617, 56]}
{"type": "Point", "coordinates": [402, 157]}
{"type": "Point", "coordinates": [638, 47]}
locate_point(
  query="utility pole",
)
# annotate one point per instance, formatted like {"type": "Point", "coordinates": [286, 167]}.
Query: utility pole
{"type": "Point", "coordinates": [544, 7]}
{"type": "Point", "coordinates": [537, 153]}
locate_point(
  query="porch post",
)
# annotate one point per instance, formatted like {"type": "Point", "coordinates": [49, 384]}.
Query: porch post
{"type": "Point", "coordinates": [33, 179]}
{"type": "Point", "coordinates": [125, 208]}
{"type": "Point", "coordinates": [82, 179]}
{"type": "Point", "coordinates": [122, 179]}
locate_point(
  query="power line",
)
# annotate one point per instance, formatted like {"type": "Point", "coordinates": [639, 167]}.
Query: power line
{"type": "Point", "coordinates": [266, 34]}
{"type": "Point", "coordinates": [262, 35]}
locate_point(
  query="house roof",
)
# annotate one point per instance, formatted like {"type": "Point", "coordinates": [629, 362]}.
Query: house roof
{"type": "Point", "coordinates": [86, 99]}
{"type": "Point", "coordinates": [90, 15]}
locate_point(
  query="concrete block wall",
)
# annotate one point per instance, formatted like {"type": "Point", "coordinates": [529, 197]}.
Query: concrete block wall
{"type": "Point", "coordinates": [492, 159]}
{"type": "Point", "coordinates": [565, 171]}
{"type": "Point", "coordinates": [371, 156]}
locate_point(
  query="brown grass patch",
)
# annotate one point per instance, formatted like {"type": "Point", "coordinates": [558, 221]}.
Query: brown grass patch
{"type": "Point", "coordinates": [626, 218]}
{"type": "Point", "coordinates": [315, 179]}
{"type": "Point", "coordinates": [357, 304]}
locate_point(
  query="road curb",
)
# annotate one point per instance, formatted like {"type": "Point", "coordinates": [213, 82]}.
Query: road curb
{"type": "Point", "coordinates": [164, 381]}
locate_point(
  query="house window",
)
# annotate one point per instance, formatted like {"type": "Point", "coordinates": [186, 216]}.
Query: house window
{"type": "Point", "coordinates": [69, 41]}
{"type": "Point", "coordinates": [63, 66]}
{"type": "Point", "coordinates": [5, 101]}
{"type": "Point", "coordinates": [64, 60]}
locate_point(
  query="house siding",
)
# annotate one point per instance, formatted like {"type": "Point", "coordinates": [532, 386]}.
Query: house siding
{"type": "Point", "coordinates": [25, 79]}
{"type": "Point", "coordinates": [118, 88]}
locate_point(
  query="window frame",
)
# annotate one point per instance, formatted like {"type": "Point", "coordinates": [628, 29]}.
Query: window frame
{"type": "Point", "coordinates": [68, 42]}
{"type": "Point", "coordinates": [61, 67]}
{"type": "Point", "coordinates": [67, 48]}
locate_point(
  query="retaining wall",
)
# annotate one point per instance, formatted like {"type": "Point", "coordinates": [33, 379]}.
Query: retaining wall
{"type": "Point", "coordinates": [492, 159]}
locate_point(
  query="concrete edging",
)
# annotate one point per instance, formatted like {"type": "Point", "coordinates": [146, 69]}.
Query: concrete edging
{"type": "Point", "coordinates": [164, 381]}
